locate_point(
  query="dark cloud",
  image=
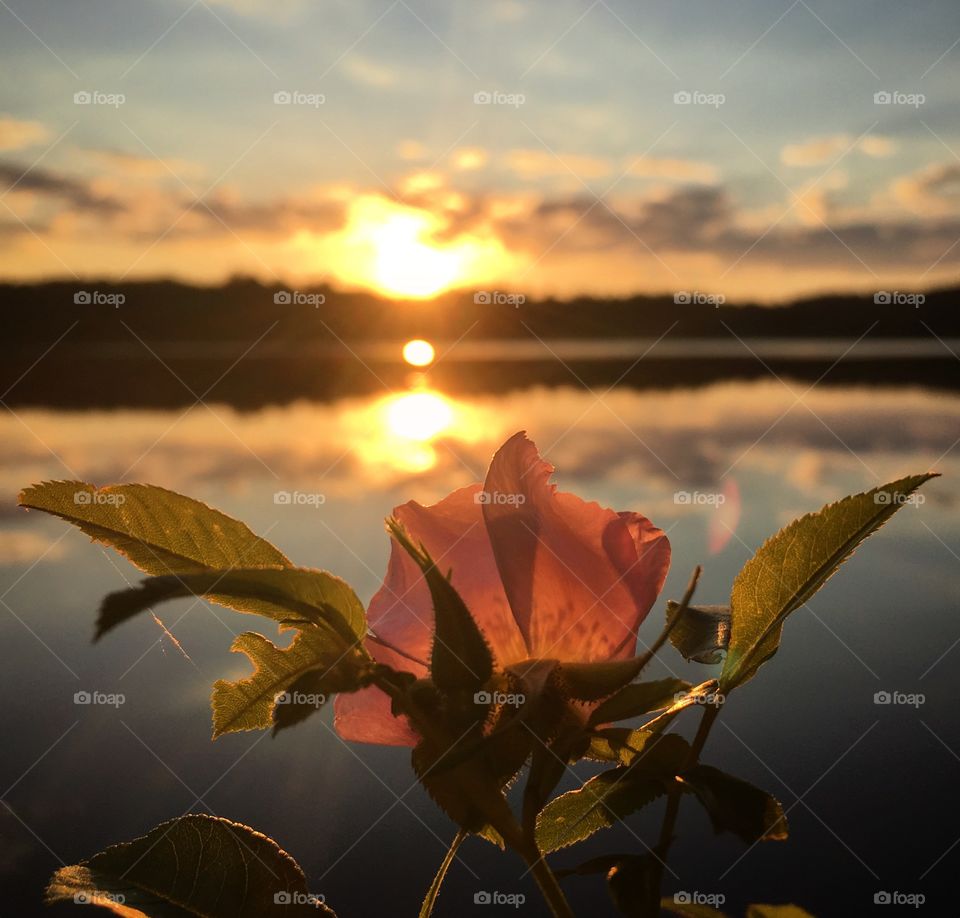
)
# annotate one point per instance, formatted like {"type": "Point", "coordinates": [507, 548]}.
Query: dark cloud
{"type": "Point", "coordinates": [75, 192]}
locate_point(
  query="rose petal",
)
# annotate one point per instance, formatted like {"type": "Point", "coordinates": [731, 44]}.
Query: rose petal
{"type": "Point", "coordinates": [401, 612]}
{"type": "Point", "coordinates": [365, 716]}
{"type": "Point", "coordinates": [580, 578]}
{"type": "Point", "coordinates": [453, 533]}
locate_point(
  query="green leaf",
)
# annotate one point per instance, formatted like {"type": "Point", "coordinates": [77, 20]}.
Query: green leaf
{"type": "Point", "coordinates": [612, 795]}
{"type": "Point", "coordinates": [736, 806]}
{"type": "Point", "coordinates": [310, 595]}
{"type": "Point", "coordinates": [311, 665]}
{"type": "Point", "coordinates": [159, 531]}
{"type": "Point", "coordinates": [638, 698]}
{"type": "Point", "coordinates": [702, 633]}
{"type": "Point", "coordinates": [194, 865]}
{"type": "Point", "coordinates": [460, 658]}
{"type": "Point", "coordinates": [594, 681]}
{"type": "Point", "coordinates": [791, 566]}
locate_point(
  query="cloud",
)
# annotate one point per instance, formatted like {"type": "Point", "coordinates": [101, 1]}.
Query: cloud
{"type": "Point", "coordinates": [77, 193]}
{"type": "Point", "coordinates": [467, 159]}
{"type": "Point", "coordinates": [819, 150]}
{"type": "Point", "coordinates": [137, 166]}
{"type": "Point", "coordinates": [933, 189]}
{"type": "Point", "coordinates": [536, 163]}
{"type": "Point", "coordinates": [411, 150]}
{"type": "Point", "coordinates": [680, 170]}
{"type": "Point", "coordinates": [369, 73]}
{"type": "Point", "coordinates": [16, 134]}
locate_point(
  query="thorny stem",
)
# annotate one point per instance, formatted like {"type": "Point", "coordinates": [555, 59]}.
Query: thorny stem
{"type": "Point", "coordinates": [503, 822]}
{"type": "Point", "coordinates": [674, 796]}
{"type": "Point", "coordinates": [426, 910]}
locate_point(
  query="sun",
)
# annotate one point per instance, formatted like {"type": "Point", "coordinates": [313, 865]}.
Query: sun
{"type": "Point", "coordinates": [419, 353]}
{"type": "Point", "coordinates": [397, 250]}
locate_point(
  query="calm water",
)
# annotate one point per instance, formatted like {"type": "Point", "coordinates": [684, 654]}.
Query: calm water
{"type": "Point", "coordinates": [870, 789]}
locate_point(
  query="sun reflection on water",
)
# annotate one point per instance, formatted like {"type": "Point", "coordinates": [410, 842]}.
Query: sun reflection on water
{"type": "Point", "coordinates": [401, 430]}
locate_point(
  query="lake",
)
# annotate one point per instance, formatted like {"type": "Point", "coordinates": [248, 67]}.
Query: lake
{"type": "Point", "coordinates": [870, 788]}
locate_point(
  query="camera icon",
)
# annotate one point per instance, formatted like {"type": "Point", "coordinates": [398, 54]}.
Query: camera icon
{"type": "Point", "coordinates": [682, 298]}
{"type": "Point", "coordinates": [682, 98]}
{"type": "Point", "coordinates": [482, 98]}
{"type": "Point", "coordinates": [882, 698]}
{"type": "Point", "coordinates": [82, 298]}
{"type": "Point", "coordinates": [283, 698]}
{"type": "Point", "coordinates": [683, 497]}
{"type": "Point", "coordinates": [682, 898]}
{"type": "Point", "coordinates": [82, 98]}
{"type": "Point", "coordinates": [883, 497]}
{"type": "Point", "coordinates": [282, 898]}
{"type": "Point", "coordinates": [483, 698]}
{"type": "Point", "coordinates": [882, 298]}
{"type": "Point", "coordinates": [282, 97]}
{"type": "Point", "coordinates": [82, 898]}
{"type": "Point", "coordinates": [482, 497]}
{"type": "Point", "coordinates": [482, 298]}
{"type": "Point", "coordinates": [283, 298]}
{"type": "Point", "coordinates": [882, 98]}
{"type": "Point", "coordinates": [82, 498]}
{"type": "Point", "coordinates": [482, 898]}
{"type": "Point", "coordinates": [82, 698]}
{"type": "Point", "coordinates": [282, 497]}
{"type": "Point", "coordinates": [882, 898]}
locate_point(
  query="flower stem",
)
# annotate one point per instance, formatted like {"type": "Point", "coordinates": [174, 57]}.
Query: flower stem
{"type": "Point", "coordinates": [674, 796]}
{"type": "Point", "coordinates": [546, 879]}
{"type": "Point", "coordinates": [426, 910]}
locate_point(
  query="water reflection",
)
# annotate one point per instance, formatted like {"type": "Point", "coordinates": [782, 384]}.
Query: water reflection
{"type": "Point", "coordinates": [768, 454]}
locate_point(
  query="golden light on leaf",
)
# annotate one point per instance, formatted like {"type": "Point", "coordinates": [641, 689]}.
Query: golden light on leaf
{"type": "Point", "coordinates": [418, 353]}
{"type": "Point", "coordinates": [398, 251]}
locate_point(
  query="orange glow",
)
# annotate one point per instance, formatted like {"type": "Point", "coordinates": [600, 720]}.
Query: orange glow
{"type": "Point", "coordinates": [393, 248]}
{"type": "Point", "coordinates": [418, 353]}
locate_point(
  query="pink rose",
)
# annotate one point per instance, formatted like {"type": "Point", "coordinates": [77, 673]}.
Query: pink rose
{"type": "Point", "coordinates": [545, 574]}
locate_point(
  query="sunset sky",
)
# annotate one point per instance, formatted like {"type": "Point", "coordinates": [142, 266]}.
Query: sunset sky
{"type": "Point", "coordinates": [613, 148]}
